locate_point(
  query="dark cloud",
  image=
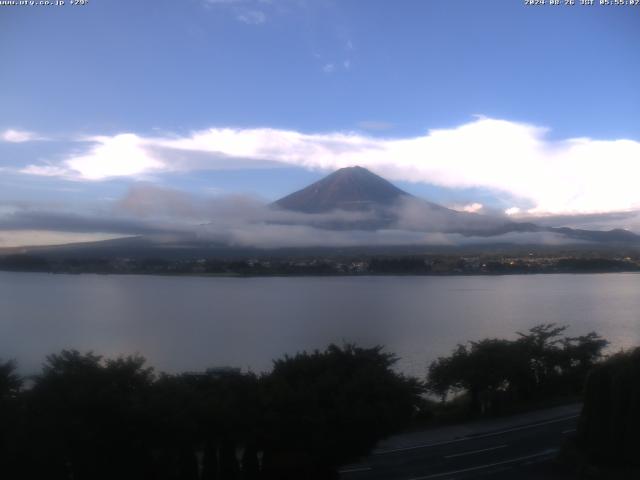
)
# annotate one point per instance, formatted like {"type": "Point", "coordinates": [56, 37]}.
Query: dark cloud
{"type": "Point", "coordinates": [247, 221]}
{"type": "Point", "coordinates": [69, 222]}
{"type": "Point", "coordinates": [151, 201]}
{"type": "Point", "coordinates": [597, 221]}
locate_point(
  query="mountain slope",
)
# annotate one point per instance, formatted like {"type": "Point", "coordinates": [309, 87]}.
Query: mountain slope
{"type": "Point", "coordinates": [351, 208]}
{"type": "Point", "coordinates": [358, 189]}
{"type": "Point", "coordinates": [351, 188]}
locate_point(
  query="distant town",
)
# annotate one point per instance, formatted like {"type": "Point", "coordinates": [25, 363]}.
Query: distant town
{"type": "Point", "coordinates": [332, 265]}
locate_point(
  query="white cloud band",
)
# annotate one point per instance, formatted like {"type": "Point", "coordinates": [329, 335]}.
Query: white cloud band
{"type": "Point", "coordinates": [579, 175]}
{"type": "Point", "coordinates": [18, 136]}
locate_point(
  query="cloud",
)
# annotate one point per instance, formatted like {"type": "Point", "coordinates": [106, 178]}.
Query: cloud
{"type": "Point", "coordinates": [513, 211]}
{"type": "Point", "coordinates": [252, 17]}
{"type": "Point", "coordinates": [331, 67]}
{"type": "Point", "coordinates": [414, 214]}
{"type": "Point", "coordinates": [242, 9]}
{"type": "Point", "coordinates": [61, 221]}
{"type": "Point", "coordinates": [48, 171]}
{"type": "Point", "coordinates": [120, 155]}
{"type": "Point", "coordinates": [19, 136]}
{"type": "Point", "coordinates": [148, 201]}
{"type": "Point", "coordinates": [164, 214]}
{"type": "Point", "coordinates": [599, 221]}
{"type": "Point", "coordinates": [469, 208]}
{"type": "Point", "coordinates": [270, 236]}
{"type": "Point", "coordinates": [328, 68]}
{"type": "Point", "coordinates": [33, 238]}
{"type": "Point", "coordinates": [575, 175]}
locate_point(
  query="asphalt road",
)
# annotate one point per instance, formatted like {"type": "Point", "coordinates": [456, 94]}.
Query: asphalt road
{"type": "Point", "coordinates": [521, 452]}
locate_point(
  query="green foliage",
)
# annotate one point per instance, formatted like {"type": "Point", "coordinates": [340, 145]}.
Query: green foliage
{"type": "Point", "coordinates": [91, 418]}
{"type": "Point", "coordinates": [87, 417]}
{"type": "Point", "coordinates": [209, 413]}
{"type": "Point", "coordinates": [496, 373]}
{"type": "Point", "coordinates": [334, 405]}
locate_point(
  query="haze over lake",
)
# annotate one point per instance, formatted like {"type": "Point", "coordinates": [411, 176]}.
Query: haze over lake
{"type": "Point", "coordinates": [191, 323]}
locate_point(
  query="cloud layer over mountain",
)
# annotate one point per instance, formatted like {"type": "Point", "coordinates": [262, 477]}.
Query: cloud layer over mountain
{"type": "Point", "coordinates": [171, 215]}
{"type": "Point", "coordinates": [576, 175]}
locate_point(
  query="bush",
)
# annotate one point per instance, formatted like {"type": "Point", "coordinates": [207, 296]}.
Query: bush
{"type": "Point", "coordinates": [91, 418]}
{"type": "Point", "coordinates": [496, 374]}
{"type": "Point", "coordinates": [609, 426]}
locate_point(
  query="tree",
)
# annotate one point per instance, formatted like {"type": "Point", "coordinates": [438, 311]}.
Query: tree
{"type": "Point", "coordinates": [494, 372]}
{"type": "Point", "coordinates": [10, 431]}
{"type": "Point", "coordinates": [610, 420]}
{"type": "Point", "coordinates": [10, 381]}
{"type": "Point", "coordinates": [204, 418]}
{"type": "Point", "coordinates": [581, 354]}
{"type": "Point", "coordinates": [88, 418]}
{"type": "Point", "coordinates": [326, 408]}
{"type": "Point", "coordinates": [484, 369]}
{"type": "Point", "coordinates": [541, 345]}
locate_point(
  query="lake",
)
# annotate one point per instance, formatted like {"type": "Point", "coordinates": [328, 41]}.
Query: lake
{"type": "Point", "coordinates": [191, 323]}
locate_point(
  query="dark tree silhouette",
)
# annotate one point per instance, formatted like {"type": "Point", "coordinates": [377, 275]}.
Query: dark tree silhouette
{"type": "Point", "coordinates": [88, 418]}
{"type": "Point", "coordinates": [10, 381]}
{"type": "Point", "coordinates": [327, 408]}
{"type": "Point", "coordinates": [482, 369]}
{"type": "Point", "coordinates": [610, 420]}
{"type": "Point", "coordinates": [207, 417]}
{"type": "Point", "coordinates": [10, 387]}
{"type": "Point", "coordinates": [495, 373]}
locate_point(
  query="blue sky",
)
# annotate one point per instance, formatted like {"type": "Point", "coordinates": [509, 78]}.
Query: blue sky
{"type": "Point", "coordinates": [262, 97]}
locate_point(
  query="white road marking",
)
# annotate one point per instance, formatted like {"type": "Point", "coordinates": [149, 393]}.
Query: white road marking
{"type": "Point", "coordinates": [473, 437]}
{"type": "Point", "coordinates": [488, 465]}
{"type": "Point", "coordinates": [568, 431]}
{"type": "Point", "coordinates": [475, 451]}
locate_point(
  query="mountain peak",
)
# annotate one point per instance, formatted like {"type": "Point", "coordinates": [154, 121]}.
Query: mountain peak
{"type": "Point", "coordinates": [354, 168]}
{"type": "Point", "coordinates": [349, 188]}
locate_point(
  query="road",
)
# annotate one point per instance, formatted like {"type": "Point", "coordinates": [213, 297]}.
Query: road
{"type": "Point", "coordinates": [519, 451]}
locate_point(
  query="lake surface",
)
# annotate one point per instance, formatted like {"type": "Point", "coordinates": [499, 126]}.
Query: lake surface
{"type": "Point", "coordinates": [191, 323]}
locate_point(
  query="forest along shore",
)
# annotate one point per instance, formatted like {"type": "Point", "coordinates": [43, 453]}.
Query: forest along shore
{"type": "Point", "coordinates": [498, 264]}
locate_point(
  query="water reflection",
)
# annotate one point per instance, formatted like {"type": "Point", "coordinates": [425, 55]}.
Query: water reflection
{"type": "Point", "coordinates": [189, 323]}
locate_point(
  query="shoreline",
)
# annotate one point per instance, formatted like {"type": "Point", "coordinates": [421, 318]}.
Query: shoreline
{"type": "Point", "coordinates": [328, 275]}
